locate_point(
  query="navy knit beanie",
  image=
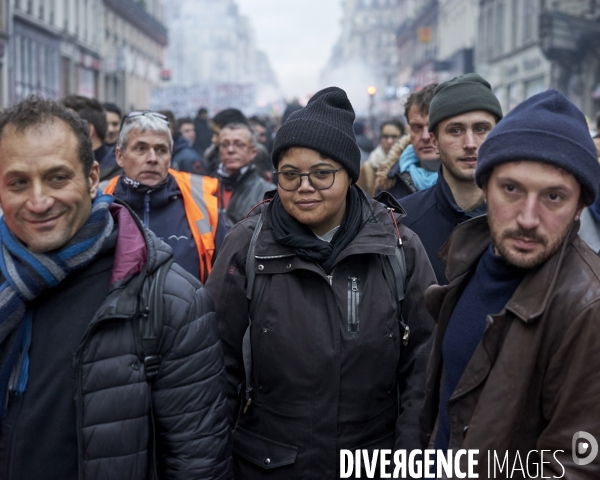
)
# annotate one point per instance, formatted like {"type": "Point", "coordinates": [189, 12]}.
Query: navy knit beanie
{"type": "Point", "coordinates": [546, 128]}
{"type": "Point", "coordinates": [324, 125]}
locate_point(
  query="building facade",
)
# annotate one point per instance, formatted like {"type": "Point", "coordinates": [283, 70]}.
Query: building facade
{"type": "Point", "coordinates": [108, 49]}
{"type": "Point", "coordinates": [55, 48]}
{"type": "Point", "coordinates": [133, 49]}
{"type": "Point", "coordinates": [508, 52]}
{"type": "Point", "coordinates": [365, 53]}
{"type": "Point", "coordinates": [570, 41]}
{"type": "Point", "coordinates": [457, 36]}
{"type": "Point", "coordinates": [211, 42]}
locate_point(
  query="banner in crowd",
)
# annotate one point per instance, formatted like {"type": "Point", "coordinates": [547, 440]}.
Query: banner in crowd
{"type": "Point", "coordinates": [185, 101]}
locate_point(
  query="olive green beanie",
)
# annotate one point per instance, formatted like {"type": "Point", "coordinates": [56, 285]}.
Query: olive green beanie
{"type": "Point", "coordinates": [463, 94]}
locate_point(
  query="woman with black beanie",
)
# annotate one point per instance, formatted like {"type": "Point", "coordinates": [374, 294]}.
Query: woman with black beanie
{"type": "Point", "coordinates": [333, 357]}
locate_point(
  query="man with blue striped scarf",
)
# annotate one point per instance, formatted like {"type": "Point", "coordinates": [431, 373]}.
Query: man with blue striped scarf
{"type": "Point", "coordinates": [74, 397]}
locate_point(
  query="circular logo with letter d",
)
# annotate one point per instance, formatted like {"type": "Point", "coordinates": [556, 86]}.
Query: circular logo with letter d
{"type": "Point", "coordinates": [585, 448]}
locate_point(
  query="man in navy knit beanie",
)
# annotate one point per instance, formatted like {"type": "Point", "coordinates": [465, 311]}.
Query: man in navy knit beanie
{"type": "Point", "coordinates": [516, 354]}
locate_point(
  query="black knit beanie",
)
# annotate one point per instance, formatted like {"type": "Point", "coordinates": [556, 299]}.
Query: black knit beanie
{"type": "Point", "coordinates": [324, 125]}
{"type": "Point", "coordinates": [463, 94]}
{"type": "Point", "coordinates": [546, 128]}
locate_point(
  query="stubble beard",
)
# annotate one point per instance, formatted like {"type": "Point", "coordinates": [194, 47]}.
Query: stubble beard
{"type": "Point", "coordinates": [453, 169]}
{"type": "Point", "coordinates": [518, 257]}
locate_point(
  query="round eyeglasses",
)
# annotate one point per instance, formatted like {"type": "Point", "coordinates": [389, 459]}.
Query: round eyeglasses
{"type": "Point", "coordinates": [318, 179]}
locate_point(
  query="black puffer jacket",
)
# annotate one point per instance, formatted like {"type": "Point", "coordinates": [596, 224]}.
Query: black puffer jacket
{"type": "Point", "coordinates": [113, 400]}
{"type": "Point", "coordinates": [323, 378]}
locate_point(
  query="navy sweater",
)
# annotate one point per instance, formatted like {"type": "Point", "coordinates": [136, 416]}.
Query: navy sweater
{"type": "Point", "coordinates": [432, 214]}
{"type": "Point", "coordinates": [486, 293]}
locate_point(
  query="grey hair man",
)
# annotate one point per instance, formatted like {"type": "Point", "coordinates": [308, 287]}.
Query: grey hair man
{"type": "Point", "coordinates": [179, 207]}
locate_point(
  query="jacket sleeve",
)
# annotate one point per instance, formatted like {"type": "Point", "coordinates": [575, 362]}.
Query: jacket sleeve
{"type": "Point", "coordinates": [570, 400]}
{"type": "Point", "coordinates": [188, 397]}
{"type": "Point", "coordinates": [227, 285]}
{"type": "Point", "coordinates": [415, 356]}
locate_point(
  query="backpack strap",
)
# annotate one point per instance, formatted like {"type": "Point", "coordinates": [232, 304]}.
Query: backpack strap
{"type": "Point", "coordinates": [147, 329]}
{"type": "Point", "coordinates": [395, 271]}
{"type": "Point", "coordinates": [254, 291]}
{"type": "Point", "coordinates": [149, 322]}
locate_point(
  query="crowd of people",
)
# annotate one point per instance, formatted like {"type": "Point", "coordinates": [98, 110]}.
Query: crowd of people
{"type": "Point", "coordinates": [217, 298]}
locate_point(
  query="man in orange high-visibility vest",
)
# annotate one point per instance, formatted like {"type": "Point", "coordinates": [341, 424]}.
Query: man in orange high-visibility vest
{"type": "Point", "coordinates": [180, 208]}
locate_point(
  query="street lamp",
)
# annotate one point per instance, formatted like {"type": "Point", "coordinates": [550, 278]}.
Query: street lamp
{"type": "Point", "coordinates": [371, 90]}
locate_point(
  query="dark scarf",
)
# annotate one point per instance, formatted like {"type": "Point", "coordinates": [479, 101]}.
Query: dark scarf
{"type": "Point", "coordinates": [289, 231]}
{"type": "Point", "coordinates": [230, 181]}
{"type": "Point", "coordinates": [26, 276]}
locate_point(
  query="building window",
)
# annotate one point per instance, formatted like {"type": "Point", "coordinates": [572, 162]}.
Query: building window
{"type": "Point", "coordinates": [515, 24]}
{"type": "Point", "coordinates": [66, 13]}
{"type": "Point", "coordinates": [528, 20]}
{"type": "Point", "coordinates": [490, 29]}
{"type": "Point", "coordinates": [499, 23]}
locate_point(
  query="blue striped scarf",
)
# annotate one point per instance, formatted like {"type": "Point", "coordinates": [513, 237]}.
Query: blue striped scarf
{"type": "Point", "coordinates": [26, 276]}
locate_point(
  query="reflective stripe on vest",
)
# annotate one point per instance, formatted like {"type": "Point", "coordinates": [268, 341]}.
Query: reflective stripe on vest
{"type": "Point", "coordinates": [200, 203]}
{"type": "Point", "coordinates": [199, 196]}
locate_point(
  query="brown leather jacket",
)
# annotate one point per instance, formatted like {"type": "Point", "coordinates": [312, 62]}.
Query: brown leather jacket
{"type": "Point", "coordinates": [533, 381]}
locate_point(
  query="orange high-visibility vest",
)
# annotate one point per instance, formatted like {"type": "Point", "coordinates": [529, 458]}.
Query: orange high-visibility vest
{"type": "Point", "coordinates": [199, 195]}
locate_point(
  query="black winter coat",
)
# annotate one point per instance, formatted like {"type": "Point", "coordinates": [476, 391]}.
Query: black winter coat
{"type": "Point", "coordinates": [113, 400]}
{"type": "Point", "coordinates": [432, 214]}
{"type": "Point", "coordinates": [317, 387]}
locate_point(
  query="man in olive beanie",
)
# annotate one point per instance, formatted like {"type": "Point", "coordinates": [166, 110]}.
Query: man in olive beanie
{"type": "Point", "coordinates": [515, 359]}
{"type": "Point", "coordinates": [324, 125]}
{"type": "Point", "coordinates": [461, 115]}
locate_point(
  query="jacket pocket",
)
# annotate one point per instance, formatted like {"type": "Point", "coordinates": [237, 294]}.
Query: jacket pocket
{"type": "Point", "coordinates": [262, 451]}
{"type": "Point", "coordinates": [353, 302]}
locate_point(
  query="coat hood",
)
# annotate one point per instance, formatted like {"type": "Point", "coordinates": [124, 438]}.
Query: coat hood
{"type": "Point", "coordinates": [382, 181]}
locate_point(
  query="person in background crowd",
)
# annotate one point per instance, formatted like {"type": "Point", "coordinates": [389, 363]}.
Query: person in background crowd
{"type": "Point", "coordinates": [597, 136]}
{"type": "Point", "coordinates": [240, 185]}
{"type": "Point", "coordinates": [194, 163]}
{"type": "Point", "coordinates": [264, 135]}
{"type": "Point", "coordinates": [211, 155]}
{"type": "Point", "coordinates": [76, 402]}
{"type": "Point", "coordinates": [260, 129]}
{"type": "Point", "coordinates": [390, 132]}
{"type": "Point", "coordinates": [329, 369]}
{"type": "Point", "coordinates": [290, 108]}
{"type": "Point", "coordinates": [589, 231]}
{"type": "Point", "coordinates": [515, 361]}
{"type": "Point", "coordinates": [183, 157]}
{"type": "Point", "coordinates": [113, 121]}
{"type": "Point", "coordinates": [364, 143]}
{"type": "Point", "coordinates": [461, 115]}
{"type": "Point", "coordinates": [93, 113]}
{"type": "Point", "coordinates": [412, 163]}
{"type": "Point", "coordinates": [263, 163]}
{"type": "Point", "coordinates": [186, 128]}
{"type": "Point", "coordinates": [179, 207]}
{"type": "Point", "coordinates": [203, 131]}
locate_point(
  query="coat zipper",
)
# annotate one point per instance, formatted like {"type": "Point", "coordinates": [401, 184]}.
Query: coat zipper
{"type": "Point", "coordinates": [328, 277]}
{"type": "Point", "coordinates": [353, 301]}
{"type": "Point", "coordinates": [271, 257]}
{"type": "Point", "coordinates": [147, 210]}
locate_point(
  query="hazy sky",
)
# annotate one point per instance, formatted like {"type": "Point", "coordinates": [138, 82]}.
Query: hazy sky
{"type": "Point", "coordinates": [297, 36]}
